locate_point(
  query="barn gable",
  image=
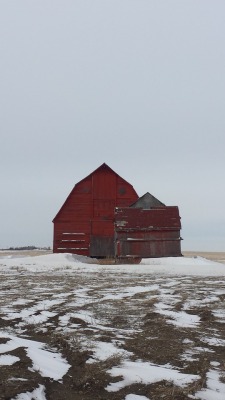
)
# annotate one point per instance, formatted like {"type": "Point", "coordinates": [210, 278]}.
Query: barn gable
{"type": "Point", "coordinates": [102, 182]}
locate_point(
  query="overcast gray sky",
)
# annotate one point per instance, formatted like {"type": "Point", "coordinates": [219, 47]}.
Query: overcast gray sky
{"type": "Point", "coordinates": [138, 84]}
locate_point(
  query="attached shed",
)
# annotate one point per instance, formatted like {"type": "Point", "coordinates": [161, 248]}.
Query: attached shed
{"type": "Point", "coordinates": [85, 223]}
{"type": "Point", "coordinates": [147, 228]}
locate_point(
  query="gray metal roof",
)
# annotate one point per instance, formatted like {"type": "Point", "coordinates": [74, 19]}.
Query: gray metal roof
{"type": "Point", "coordinates": [147, 201]}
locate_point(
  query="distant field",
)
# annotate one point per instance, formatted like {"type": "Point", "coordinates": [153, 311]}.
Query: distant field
{"type": "Point", "coordinates": [210, 255]}
{"type": "Point", "coordinates": [24, 253]}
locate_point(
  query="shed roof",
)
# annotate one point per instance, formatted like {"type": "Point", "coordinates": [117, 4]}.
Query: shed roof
{"type": "Point", "coordinates": [147, 201]}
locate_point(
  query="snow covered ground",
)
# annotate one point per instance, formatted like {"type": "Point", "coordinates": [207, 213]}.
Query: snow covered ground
{"type": "Point", "coordinates": [139, 331]}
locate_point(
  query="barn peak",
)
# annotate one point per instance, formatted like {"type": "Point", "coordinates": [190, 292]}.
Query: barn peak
{"type": "Point", "coordinates": [104, 167]}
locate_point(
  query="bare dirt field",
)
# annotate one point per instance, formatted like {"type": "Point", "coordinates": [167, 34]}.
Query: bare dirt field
{"type": "Point", "coordinates": [97, 321]}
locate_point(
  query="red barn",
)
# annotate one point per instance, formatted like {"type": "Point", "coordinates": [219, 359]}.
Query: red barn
{"type": "Point", "coordinates": [85, 223]}
{"type": "Point", "coordinates": [103, 217]}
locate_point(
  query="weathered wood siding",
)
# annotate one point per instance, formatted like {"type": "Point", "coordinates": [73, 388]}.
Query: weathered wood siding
{"type": "Point", "coordinates": [147, 232]}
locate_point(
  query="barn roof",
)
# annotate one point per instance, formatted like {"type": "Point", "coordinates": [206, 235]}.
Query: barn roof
{"type": "Point", "coordinates": [103, 167]}
{"type": "Point", "coordinates": [147, 201]}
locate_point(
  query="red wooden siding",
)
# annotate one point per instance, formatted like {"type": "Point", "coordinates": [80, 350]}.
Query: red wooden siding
{"type": "Point", "coordinates": [85, 223]}
{"type": "Point", "coordinates": [147, 232]}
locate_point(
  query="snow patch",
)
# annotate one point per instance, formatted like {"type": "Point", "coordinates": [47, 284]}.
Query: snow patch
{"type": "Point", "coordinates": [135, 397]}
{"type": "Point", "coordinates": [6, 359]}
{"type": "Point", "coordinates": [147, 373]}
{"type": "Point", "coordinates": [37, 394]}
{"type": "Point", "coordinates": [197, 266]}
{"type": "Point", "coordinates": [47, 363]}
{"type": "Point", "coordinates": [103, 350]}
{"type": "Point", "coordinates": [215, 388]}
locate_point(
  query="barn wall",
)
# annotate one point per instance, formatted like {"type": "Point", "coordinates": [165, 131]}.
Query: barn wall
{"type": "Point", "coordinates": [72, 225]}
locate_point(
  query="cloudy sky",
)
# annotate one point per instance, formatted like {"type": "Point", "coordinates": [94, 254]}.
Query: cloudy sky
{"type": "Point", "coordinates": [138, 84]}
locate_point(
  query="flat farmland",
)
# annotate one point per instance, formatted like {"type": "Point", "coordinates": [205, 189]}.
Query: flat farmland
{"type": "Point", "coordinates": [73, 329]}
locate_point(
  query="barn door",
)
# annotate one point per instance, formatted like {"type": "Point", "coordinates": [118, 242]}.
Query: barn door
{"type": "Point", "coordinates": [102, 238]}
